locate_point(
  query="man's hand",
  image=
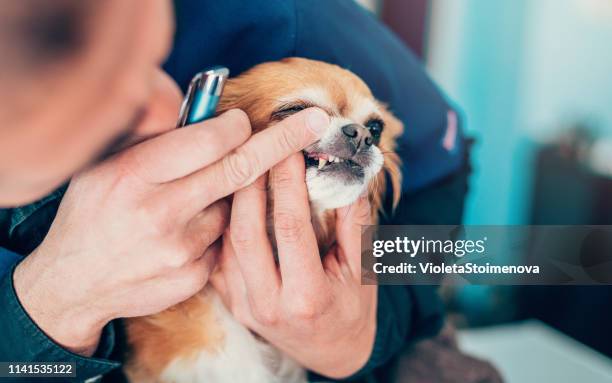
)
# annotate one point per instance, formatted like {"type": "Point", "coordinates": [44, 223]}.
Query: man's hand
{"type": "Point", "coordinates": [137, 233]}
{"type": "Point", "coordinates": [316, 311]}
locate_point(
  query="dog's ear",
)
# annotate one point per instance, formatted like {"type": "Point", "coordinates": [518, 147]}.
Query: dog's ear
{"type": "Point", "coordinates": [392, 162]}
{"type": "Point", "coordinates": [234, 95]}
{"type": "Point", "coordinates": [251, 92]}
{"type": "Point", "coordinates": [241, 93]}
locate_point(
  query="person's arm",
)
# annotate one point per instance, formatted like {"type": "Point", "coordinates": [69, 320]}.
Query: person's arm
{"type": "Point", "coordinates": [61, 297]}
{"type": "Point", "coordinates": [23, 341]}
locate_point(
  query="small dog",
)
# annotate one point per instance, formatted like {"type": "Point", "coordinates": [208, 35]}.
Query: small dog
{"type": "Point", "coordinates": [198, 340]}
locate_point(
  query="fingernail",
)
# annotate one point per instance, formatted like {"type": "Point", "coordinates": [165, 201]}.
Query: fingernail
{"type": "Point", "coordinates": [317, 121]}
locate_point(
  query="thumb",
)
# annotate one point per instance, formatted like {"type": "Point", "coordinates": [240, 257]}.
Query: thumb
{"type": "Point", "coordinates": [349, 224]}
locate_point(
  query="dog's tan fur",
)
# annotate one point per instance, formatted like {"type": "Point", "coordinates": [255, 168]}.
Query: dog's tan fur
{"type": "Point", "coordinates": [190, 327]}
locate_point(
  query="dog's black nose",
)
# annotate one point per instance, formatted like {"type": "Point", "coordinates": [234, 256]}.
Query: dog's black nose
{"type": "Point", "coordinates": [358, 135]}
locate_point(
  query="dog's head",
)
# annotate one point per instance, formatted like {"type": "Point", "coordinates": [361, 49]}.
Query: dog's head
{"type": "Point", "coordinates": [359, 143]}
{"type": "Point", "coordinates": [346, 161]}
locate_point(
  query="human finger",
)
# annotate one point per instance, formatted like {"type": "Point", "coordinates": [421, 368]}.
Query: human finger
{"type": "Point", "coordinates": [298, 252]}
{"type": "Point", "coordinates": [349, 223]}
{"type": "Point", "coordinates": [178, 153]}
{"type": "Point", "coordinates": [250, 241]}
{"type": "Point", "coordinates": [258, 154]}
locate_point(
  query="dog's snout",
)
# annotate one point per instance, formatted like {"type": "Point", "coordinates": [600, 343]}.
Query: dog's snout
{"type": "Point", "coordinates": [358, 135]}
{"type": "Point", "coordinates": [350, 130]}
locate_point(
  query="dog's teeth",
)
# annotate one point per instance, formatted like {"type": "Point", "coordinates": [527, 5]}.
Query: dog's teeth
{"type": "Point", "coordinates": [322, 162]}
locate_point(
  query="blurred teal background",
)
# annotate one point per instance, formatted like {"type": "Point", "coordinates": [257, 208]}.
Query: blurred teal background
{"type": "Point", "coordinates": [533, 82]}
{"type": "Point", "coordinates": [522, 72]}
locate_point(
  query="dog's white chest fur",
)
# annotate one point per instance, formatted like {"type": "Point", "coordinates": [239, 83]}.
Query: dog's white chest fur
{"type": "Point", "coordinates": [242, 358]}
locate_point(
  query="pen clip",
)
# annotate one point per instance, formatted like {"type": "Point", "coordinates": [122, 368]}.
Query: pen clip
{"type": "Point", "coordinates": [202, 96]}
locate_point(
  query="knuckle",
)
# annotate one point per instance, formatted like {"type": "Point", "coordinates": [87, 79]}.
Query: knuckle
{"type": "Point", "coordinates": [177, 259]}
{"type": "Point", "coordinates": [148, 213]}
{"type": "Point", "coordinates": [180, 253]}
{"type": "Point", "coordinates": [212, 222]}
{"type": "Point", "coordinates": [282, 177]}
{"type": "Point", "coordinates": [265, 316]}
{"type": "Point", "coordinates": [304, 309]}
{"type": "Point", "coordinates": [289, 139]}
{"type": "Point", "coordinates": [149, 218]}
{"type": "Point", "coordinates": [288, 227]}
{"type": "Point", "coordinates": [242, 236]}
{"type": "Point", "coordinates": [209, 233]}
{"type": "Point", "coordinates": [239, 167]}
{"type": "Point", "coordinates": [195, 281]}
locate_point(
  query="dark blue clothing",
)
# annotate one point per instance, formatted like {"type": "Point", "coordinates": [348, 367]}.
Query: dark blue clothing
{"type": "Point", "coordinates": [240, 34]}
{"type": "Point", "coordinates": [7, 260]}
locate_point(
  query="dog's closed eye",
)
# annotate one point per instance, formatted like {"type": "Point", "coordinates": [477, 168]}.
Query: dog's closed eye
{"type": "Point", "coordinates": [288, 109]}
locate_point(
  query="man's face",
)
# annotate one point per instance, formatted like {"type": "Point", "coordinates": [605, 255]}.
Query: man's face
{"type": "Point", "coordinates": [54, 122]}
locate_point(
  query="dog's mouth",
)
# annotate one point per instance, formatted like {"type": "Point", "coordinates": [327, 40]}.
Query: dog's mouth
{"type": "Point", "coordinates": [329, 163]}
{"type": "Point", "coordinates": [336, 176]}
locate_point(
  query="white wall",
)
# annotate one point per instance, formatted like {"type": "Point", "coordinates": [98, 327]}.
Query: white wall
{"type": "Point", "coordinates": [567, 67]}
{"type": "Point", "coordinates": [565, 60]}
{"type": "Point", "coordinates": [444, 43]}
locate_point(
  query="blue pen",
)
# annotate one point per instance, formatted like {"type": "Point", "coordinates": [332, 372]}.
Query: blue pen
{"type": "Point", "coordinates": [202, 96]}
